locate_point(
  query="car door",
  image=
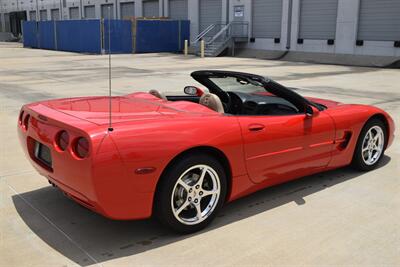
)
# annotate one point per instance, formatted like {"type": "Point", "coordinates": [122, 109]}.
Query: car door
{"type": "Point", "coordinates": [279, 148]}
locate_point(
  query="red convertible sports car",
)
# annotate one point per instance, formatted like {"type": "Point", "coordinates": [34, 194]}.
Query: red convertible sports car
{"type": "Point", "coordinates": [181, 158]}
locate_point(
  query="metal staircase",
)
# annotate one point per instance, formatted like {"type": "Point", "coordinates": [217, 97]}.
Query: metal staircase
{"type": "Point", "coordinates": [218, 37]}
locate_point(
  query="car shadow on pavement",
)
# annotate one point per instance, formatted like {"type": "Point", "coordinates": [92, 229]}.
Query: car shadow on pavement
{"type": "Point", "coordinates": [88, 238]}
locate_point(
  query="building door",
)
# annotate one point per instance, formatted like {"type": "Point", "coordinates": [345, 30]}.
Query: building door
{"type": "Point", "coordinates": [127, 10]}
{"type": "Point", "coordinates": [43, 15]}
{"type": "Point", "coordinates": [32, 15]}
{"type": "Point", "coordinates": [16, 19]}
{"type": "Point", "coordinates": [90, 12]}
{"type": "Point", "coordinates": [74, 13]}
{"type": "Point", "coordinates": [210, 12]}
{"type": "Point", "coordinates": [7, 22]}
{"type": "Point", "coordinates": [107, 11]}
{"type": "Point", "coordinates": [379, 20]}
{"type": "Point", "coordinates": [238, 17]}
{"type": "Point", "coordinates": [266, 18]}
{"type": "Point", "coordinates": [178, 9]}
{"type": "Point", "coordinates": [151, 9]}
{"type": "Point", "coordinates": [318, 19]}
{"type": "Point", "coordinates": [55, 14]}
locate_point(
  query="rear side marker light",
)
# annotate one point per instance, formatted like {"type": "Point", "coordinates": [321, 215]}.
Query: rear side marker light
{"type": "Point", "coordinates": [81, 147]}
{"type": "Point", "coordinates": [21, 115]}
{"type": "Point", "coordinates": [26, 121]}
{"type": "Point", "coordinates": [62, 140]}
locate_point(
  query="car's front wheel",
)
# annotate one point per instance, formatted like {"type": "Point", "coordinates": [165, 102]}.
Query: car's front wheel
{"type": "Point", "coordinates": [191, 192]}
{"type": "Point", "coordinates": [370, 145]}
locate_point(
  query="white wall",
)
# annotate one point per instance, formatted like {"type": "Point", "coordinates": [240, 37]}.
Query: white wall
{"type": "Point", "coordinates": [346, 25]}
{"type": "Point", "coordinates": [345, 39]}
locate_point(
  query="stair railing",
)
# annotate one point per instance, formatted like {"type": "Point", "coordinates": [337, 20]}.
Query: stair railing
{"type": "Point", "coordinates": [204, 33]}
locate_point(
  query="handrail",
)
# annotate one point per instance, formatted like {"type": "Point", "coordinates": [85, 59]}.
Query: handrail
{"type": "Point", "coordinates": [228, 32]}
{"type": "Point", "coordinates": [203, 33]}
{"type": "Point", "coordinates": [224, 29]}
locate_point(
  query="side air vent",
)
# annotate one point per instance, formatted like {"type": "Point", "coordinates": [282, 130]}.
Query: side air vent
{"type": "Point", "coordinates": [344, 141]}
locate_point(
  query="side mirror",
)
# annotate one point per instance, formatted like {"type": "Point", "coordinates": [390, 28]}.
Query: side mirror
{"type": "Point", "coordinates": [193, 91]}
{"type": "Point", "coordinates": [311, 111]}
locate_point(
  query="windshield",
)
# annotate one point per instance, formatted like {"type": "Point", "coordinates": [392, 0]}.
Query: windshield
{"type": "Point", "coordinates": [242, 85]}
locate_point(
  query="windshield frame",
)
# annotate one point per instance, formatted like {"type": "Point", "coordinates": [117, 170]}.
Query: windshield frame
{"type": "Point", "coordinates": [204, 77]}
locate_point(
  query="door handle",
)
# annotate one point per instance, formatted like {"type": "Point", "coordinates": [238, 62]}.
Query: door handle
{"type": "Point", "coordinates": [256, 127]}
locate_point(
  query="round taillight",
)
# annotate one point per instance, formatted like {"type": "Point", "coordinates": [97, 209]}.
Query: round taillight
{"type": "Point", "coordinates": [26, 121]}
{"type": "Point", "coordinates": [82, 147]}
{"type": "Point", "coordinates": [62, 140]}
{"type": "Point", "coordinates": [21, 115]}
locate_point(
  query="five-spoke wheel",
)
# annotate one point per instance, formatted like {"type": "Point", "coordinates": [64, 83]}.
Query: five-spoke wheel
{"type": "Point", "coordinates": [195, 194]}
{"type": "Point", "coordinates": [370, 145]}
{"type": "Point", "coordinates": [191, 191]}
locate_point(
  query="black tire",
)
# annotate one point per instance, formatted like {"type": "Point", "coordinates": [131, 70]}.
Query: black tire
{"type": "Point", "coordinates": [162, 206]}
{"type": "Point", "coordinates": [358, 162]}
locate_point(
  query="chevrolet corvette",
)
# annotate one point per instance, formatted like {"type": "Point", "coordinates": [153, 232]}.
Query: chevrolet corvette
{"type": "Point", "coordinates": [181, 157]}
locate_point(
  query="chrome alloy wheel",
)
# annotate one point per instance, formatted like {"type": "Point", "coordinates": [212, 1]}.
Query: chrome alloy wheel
{"type": "Point", "coordinates": [195, 194]}
{"type": "Point", "coordinates": [372, 145]}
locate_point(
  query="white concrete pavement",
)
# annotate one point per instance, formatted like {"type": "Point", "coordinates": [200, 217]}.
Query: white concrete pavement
{"type": "Point", "coordinates": [338, 218]}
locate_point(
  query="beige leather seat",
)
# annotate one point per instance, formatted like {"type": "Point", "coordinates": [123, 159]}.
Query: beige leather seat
{"type": "Point", "coordinates": [158, 94]}
{"type": "Point", "coordinates": [212, 101]}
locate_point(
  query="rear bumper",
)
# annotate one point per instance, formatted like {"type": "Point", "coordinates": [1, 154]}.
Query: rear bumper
{"type": "Point", "coordinates": [99, 182]}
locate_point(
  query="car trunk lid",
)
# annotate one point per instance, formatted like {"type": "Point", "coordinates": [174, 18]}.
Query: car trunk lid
{"type": "Point", "coordinates": [97, 109]}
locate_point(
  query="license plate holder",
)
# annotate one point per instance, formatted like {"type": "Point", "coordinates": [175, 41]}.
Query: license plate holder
{"type": "Point", "coordinates": [43, 154]}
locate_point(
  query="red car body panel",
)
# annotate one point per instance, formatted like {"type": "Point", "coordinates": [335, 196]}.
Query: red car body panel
{"type": "Point", "coordinates": [149, 133]}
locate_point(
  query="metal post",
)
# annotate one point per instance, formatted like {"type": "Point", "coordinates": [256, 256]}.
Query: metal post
{"type": "Point", "coordinates": [37, 11]}
{"type": "Point", "coordinates": [55, 35]}
{"type": "Point", "coordinates": [61, 11]}
{"type": "Point", "coordinates": [202, 48]}
{"type": "Point", "coordinates": [81, 9]}
{"type": "Point", "coordinates": [185, 50]}
{"type": "Point", "coordinates": [289, 25]}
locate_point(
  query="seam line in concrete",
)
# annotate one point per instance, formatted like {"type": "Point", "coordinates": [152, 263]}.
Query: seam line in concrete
{"type": "Point", "coordinates": [15, 173]}
{"type": "Point", "coordinates": [54, 225]}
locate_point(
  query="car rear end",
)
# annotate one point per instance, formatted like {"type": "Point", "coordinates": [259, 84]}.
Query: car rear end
{"type": "Point", "coordinates": [60, 148]}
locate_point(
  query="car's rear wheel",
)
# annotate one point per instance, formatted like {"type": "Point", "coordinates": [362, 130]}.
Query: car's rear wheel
{"type": "Point", "coordinates": [191, 193]}
{"type": "Point", "coordinates": [370, 145]}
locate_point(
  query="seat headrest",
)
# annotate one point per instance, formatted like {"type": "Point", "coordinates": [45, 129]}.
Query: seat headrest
{"type": "Point", "coordinates": [158, 94]}
{"type": "Point", "coordinates": [212, 101]}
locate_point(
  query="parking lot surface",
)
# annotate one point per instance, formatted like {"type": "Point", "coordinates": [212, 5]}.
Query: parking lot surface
{"type": "Point", "coordinates": [340, 217]}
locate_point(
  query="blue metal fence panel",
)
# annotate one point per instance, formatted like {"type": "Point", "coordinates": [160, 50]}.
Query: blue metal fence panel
{"type": "Point", "coordinates": [30, 34]}
{"type": "Point", "coordinates": [120, 35]}
{"type": "Point", "coordinates": [185, 32]}
{"type": "Point", "coordinates": [46, 35]}
{"type": "Point", "coordinates": [85, 35]}
{"type": "Point", "coordinates": [79, 36]}
{"type": "Point", "coordinates": [161, 35]}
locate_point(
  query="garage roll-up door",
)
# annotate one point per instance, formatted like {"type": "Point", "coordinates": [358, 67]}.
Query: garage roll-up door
{"type": "Point", "coordinates": [107, 11]}
{"type": "Point", "coordinates": [127, 10]}
{"type": "Point", "coordinates": [43, 15]}
{"type": "Point", "coordinates": [318, 19]}
{"type": "Point", "coordinates": [267, 18]}
{"type": "Point", "coordinates": [74, 13]}
{"type": "Point", "coordinates": [55, 14]}
{"type": "Point", "coordinates": [379, 20]}
{"type": "Point", "coordinates": [210, 13]}
{"type": "Point", "coordinates": [150, 8]}
{"type": "Point", "coordinates": [32, 15]}
{"type": "Point", "coordinates": [7, 27]}
{"type": "Point", "coordinates": [90, 12]}
{"type": "Point", "coordinates": [178, 9]}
